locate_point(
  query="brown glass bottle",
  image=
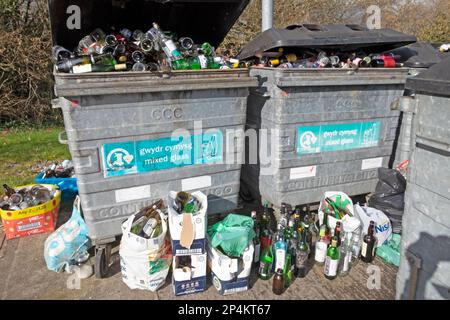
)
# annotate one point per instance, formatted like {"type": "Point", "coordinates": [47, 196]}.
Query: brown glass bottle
{"type": "Point", "coordinates": [278, 282]}
{"type": "Point", "coordinates": [8, 190]}
{"type": "Point", "coordinates": [369, 244]}
{"type": "Point", "coordinates": [337, 232]}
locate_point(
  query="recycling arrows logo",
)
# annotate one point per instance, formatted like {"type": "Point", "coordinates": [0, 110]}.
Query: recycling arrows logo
{"type": "Point", "coordinates": [119, 159]}
{"type": "Point", "coordinates": [308, 140]}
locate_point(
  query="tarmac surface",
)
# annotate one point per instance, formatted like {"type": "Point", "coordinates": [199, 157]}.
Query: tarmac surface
{"type": "Point", "coordinates": [24, 275]}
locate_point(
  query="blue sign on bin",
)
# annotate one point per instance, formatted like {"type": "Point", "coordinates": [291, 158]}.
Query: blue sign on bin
{"type": "Point", "coordinates": [166, 153]}
{"type": "Point", "coordinates": [337, 137]}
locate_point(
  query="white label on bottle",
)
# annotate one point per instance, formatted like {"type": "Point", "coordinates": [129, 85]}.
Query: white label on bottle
{"type": "Point", "coordinates": [203, 61]}
{"type": "Point", "coordinates": [196, 183]}
{"type": "Point", "coordinates": [364, 249]}
{"type": "Point", "coordinates": [321, 252]}
{"type": "Point", "coordinates": [170, 45]}
{"type": "Point", "coordinates": [345, 265]}
{"type": "Point", "coordinates": [280, 259]}
{"type": "Point", "coordinates": [331, 267]}
{"type": "Point", "coordinates": [303, 172]}
{"type": "Point", "coordinates": [372, 163]}
{"type": "Point", "coordinates": [134, 193]}
{"type": "Point", "coordinates": [83, 68]}
{"type": "Point", "coordinates": [257, 253]}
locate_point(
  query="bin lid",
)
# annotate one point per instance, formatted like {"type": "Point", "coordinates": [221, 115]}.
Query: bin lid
{"type": "Point", "coordinates": [419, 55]}
{"type": "Point", "coordinates": [333, 36]}
{"type": "Point", "coordinates": [202, 20]}
{"type": "Point", "coordinates": [434, 81]}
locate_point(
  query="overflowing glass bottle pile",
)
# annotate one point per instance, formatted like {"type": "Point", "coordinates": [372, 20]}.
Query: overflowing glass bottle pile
{"type": "Point", "coordinates": [158, 50]}
{"type": "Point", "coordinates": [287, 253]}
{"type": "Point", "coordinates": [154, 50]}
{"type": "Point", "coordinates": [319, 59]}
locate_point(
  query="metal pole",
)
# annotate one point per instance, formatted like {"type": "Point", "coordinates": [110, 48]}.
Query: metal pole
{"type": "Point", "coordinates": [267, 14]}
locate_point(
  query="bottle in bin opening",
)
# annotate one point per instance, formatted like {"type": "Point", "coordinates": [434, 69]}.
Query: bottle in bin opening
{"type": "Point", "coordinates": [369, 244]}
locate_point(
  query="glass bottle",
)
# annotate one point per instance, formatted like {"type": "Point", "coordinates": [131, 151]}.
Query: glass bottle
{"type": "Point", "coordinates": [369, 244]}
{"type": "Point", "coordinates": [256, 239]}
{"type": "Point", "coordinates": [280, 250]}
{"type": "Point", "coordinates": [321, 248]}
{"type": "Point", "coordinates": [265, 264]}
{"type": "Point", "coordinates": [332, 260]}
{"type": "Point", "coordinates": [288, 270]}
{"type": "Point", "coordinates": [278, 282]}
{"type": "Point", "coordinates": [302, 253]}
{"type": "Point", "coordinates": [346, 254]}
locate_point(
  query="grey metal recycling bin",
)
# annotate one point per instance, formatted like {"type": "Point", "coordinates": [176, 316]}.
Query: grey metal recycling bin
{"type": "Point", "coordinates": [335, 126]}
{"type": "Point", "coordinates": [119, 124]}
{"type": "Point", "coordinates": [424, 271]}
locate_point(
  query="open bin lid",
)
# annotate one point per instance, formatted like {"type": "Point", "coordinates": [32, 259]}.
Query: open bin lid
{"type": "Point", "coordinates": [419, 55]}
{"type": "Point", "coordinates": [339, 37]}
{"type": "Point", "coordinates": [202, 20]}
{"type": "Point", "coordinates": [434, 81]}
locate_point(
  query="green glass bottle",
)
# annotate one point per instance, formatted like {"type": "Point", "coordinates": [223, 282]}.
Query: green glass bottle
{"type": "Point", "coordinates": [207, 49]}
{"type": "Point", "coordinates": [265, 264]}
{"type": "Point", "coordinates": [332, 260]}
{"type": "Point", "coordinates": [288, 272]}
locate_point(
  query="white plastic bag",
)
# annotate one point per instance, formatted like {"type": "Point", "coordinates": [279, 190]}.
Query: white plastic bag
{"type": "Point", "coordinates": [145, 263]}
{"type": "Point", "coordinates": [383, 228]}
{"type": "Point", "coordinates": [67, 241]}
{"type": "Point", "coordinates": [351, 225]}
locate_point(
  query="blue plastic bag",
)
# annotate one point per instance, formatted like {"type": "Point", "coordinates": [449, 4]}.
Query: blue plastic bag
{"type": "Point", "coordinates": [67, 241]}
{"type": "Point", "coordinates": [68, 186]}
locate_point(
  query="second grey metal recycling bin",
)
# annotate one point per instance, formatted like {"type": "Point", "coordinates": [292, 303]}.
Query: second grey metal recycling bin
{"type": "Point", "coordinates": [120, 124]}
{"type": "Point", "coordinates": [329, 129]}
{"type": "Point", "coordinates": [424, 271]}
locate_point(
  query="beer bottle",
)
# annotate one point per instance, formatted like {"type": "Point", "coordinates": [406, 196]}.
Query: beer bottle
{"type": "Point", "coordinates": [207, 49]}
{"type": "Point", "coordinates": [369, 244]}
{"type": "Point", "coordinates": [337, 233]}
{"type": "Point", "coordinates": [8, 190]}
{"type": "Point", "coordinates": [332, 260]}
{"type": "Point", "coordinates": [278, 282]}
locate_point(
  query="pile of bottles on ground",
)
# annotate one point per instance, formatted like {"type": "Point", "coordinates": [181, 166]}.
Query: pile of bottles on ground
{"type": "Point", "coordinates": [158, 50]}
{"type": "Point", "coordinates": [126, 50]}
{"type": "Point", "coordinates": [290, 252]}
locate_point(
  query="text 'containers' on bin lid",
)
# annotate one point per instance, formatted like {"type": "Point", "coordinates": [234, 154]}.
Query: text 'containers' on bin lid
{"type": "Point", "coordinates": [434, 81]}
{"type": "Point", "coordinates": [202, 20]}
{"type": "Point", "coordinates": [341, 37]}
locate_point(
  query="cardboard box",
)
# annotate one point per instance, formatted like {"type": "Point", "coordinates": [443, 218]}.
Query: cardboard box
{"type": "Point", "coordinates": [230, 275]}
{"type": "Point", "coordinates": [176, 225]}
{"type": "Point", "coordinates": [32, 220]}
{"type": "Point", "coordinates": [189, 280]}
